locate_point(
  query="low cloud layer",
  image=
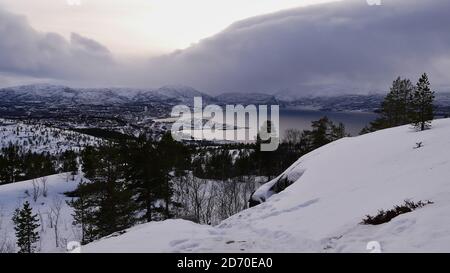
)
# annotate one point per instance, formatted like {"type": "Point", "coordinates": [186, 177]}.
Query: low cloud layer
{"type": "Point", "coordinates": [338, 47]}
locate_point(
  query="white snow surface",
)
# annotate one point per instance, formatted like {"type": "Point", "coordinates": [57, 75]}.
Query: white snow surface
{"type": "Point", "coordinates": [13, 196]}
{"type": "Point", "coordinates": [40, 138]}
{"type": "Point", "coordinates": [321, 212]}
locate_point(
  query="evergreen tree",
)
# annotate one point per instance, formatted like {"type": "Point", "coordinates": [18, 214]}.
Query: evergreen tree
{"type": "Point", "coordinates": [106, 205]}
{"type": "Point", "coordinates": [83, 213]}
{"type": "Point", "coordinates": [173, 158]}
{"type": "Point", "coordinates": [320, 133]}
{"type": "Point", "coordinates": [143, 172]}
{"type": "Point", "coordinates": [323, 132]}
{"type": "Point", "coordinates": [266, 161]}
{"type": "Point", "coordinates": [338, 131]}
{"type": "Point", "coordinates": [25, 226]}
{"type": "Point", "coordinates": [396, 107]}
{"type": "Point", "coordinates": [69, 163]}
{"type": "Point", "coordinates": [422, 108]}
{"type": "Point", "coordinates": [36, 165]}
{"type": "Point", "coordinates": [13, 164]}
{"type": "Point", "coordinates": [3, 172]}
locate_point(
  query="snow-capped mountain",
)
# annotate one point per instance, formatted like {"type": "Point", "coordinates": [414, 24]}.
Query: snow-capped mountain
{"type": "Point", "coordinates": [364, 103]}
{"type": "Point", "coordinates": [333, 189]}
{"type": "Point", "coordinates": [63, 95]}
{"type": "Point", "coordinates": [175, 93]}
{"type": "Point", "coordinates": [247, 98]}
{"type": "Point", "coordinates": [45, 95]}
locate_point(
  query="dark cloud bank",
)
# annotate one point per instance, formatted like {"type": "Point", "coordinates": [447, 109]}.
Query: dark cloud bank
{"type": "Point", "coordinates": [25, 52]}
{"type": "Point", "coordinates": [342, 47]}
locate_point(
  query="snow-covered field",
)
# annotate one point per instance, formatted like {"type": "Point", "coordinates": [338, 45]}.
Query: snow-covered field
{"type": "Point", "coordinates": [50, 199]}
{"type": "Point", "coordinates": [39, 138]}
{"type": "Point", "coordinates": [336, 187]}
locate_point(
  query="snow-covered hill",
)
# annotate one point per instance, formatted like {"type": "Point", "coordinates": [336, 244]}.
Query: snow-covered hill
{"type": "Point", "coordinates": [172, 93]}
{"type": "Point", "coordinates": [336, 187]}
{"type": "Point", "coordinates": [46, 197]}
{"type": "Point", "coordinates": [40, 138]}
{"type": "Point", "coordinates": [63, 95]}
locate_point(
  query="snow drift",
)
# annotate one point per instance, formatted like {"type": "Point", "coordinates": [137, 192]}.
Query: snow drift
{"type": "Point", "coordinates": [322, 210]}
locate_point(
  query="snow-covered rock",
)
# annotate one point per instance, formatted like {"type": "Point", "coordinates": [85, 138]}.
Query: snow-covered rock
{"type": "Point", "coordinates": [336, 187]}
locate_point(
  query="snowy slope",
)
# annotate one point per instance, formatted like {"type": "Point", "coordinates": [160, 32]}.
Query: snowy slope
{"type": "Point", "coordinates": [14, 195]}
{"type": "Point", "coordinates": [40, 138]}
{"type": "Point", "coordinates": [321, 212]}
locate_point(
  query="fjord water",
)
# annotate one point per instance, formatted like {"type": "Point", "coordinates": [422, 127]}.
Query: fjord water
{"type": "Point", "coordinates": [301, 119]}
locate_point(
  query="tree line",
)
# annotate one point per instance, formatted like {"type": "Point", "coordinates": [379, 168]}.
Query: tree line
{"type": "Point", "coordinates": [234, 160]}
{"type": "Point", "coordinates": [17, 164]}
{"type": "Point", "coordinates": [406, 103]}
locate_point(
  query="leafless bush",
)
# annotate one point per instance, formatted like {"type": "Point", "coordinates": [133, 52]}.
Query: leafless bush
{"type": "Point", "coordinates": [7, 245]}
{"type": "Point", "coordinates": [43, 181]}
{"type": "Point", "coordinates": [292, 136]}
{"type": "Point", "coordinates": [55, 211]}
{"type": "Point", "coordinates": [36, 190]}
{"type": "Point", "coordinates": [1, 216]}
{"type": "Point", "coordinates": [210, 201]}
{"type": "Point", "coordinates": [41, 219]}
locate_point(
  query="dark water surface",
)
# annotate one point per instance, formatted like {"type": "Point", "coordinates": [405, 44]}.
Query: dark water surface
{"type": "Point", "coordinates": [301, 119]}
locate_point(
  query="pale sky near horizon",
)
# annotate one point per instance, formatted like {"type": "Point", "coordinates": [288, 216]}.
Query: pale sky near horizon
{"type": "Point", "coordinates": [144, 27]}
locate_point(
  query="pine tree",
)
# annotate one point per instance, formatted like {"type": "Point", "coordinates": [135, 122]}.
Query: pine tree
{"type": "Point", "coordinates": [396, 107]}
{"type": "Point", "coordinates": [266, 161]}
{"type": "Point", "coordinates": [338, 131]}
{"type": "Point", "coordinates": [173, 159]}
{"type": "Point", "coordinates": [70, 164]}
{"type": "Point", "coordinates": [83, 213]}
{"type": "Point", "coordinates": [320, 132]}
{"type": "Point", "coordinates": [143, 172]}
{"type": "Point", "coordinates": [25, 226]}
{"type": "Point", "coordinates": [422, 107]}
{"type": "Point", "coordinates": [13, 165]}
{"type": "Point", "coordinates": [105, 204]}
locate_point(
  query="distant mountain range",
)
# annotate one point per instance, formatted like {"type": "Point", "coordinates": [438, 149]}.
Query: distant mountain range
{"type": "Point", "coordinates": [60, 96]}
{"type": "Point", "coordinates": [63, 95]}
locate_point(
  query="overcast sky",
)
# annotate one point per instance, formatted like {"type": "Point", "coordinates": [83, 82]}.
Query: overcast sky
{"type": "Point", "coordinates": [140, 27]}
{"type": "Point", "coordinates": [340, 47]}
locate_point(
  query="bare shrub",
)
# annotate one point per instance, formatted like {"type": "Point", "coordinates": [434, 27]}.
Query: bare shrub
{"type": "Point", "coordinates": [210, 201]}
{"type": "Point", "coordinates": [55, 211]}
{"type": "Point", "coordinates": [36, 190]}
{"type": "Point", "coordinates": [43, 181]}
{"type": "Point", "coordinates": [7, 245]}
{"type": "Point", "coordinates": [386, 216]}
